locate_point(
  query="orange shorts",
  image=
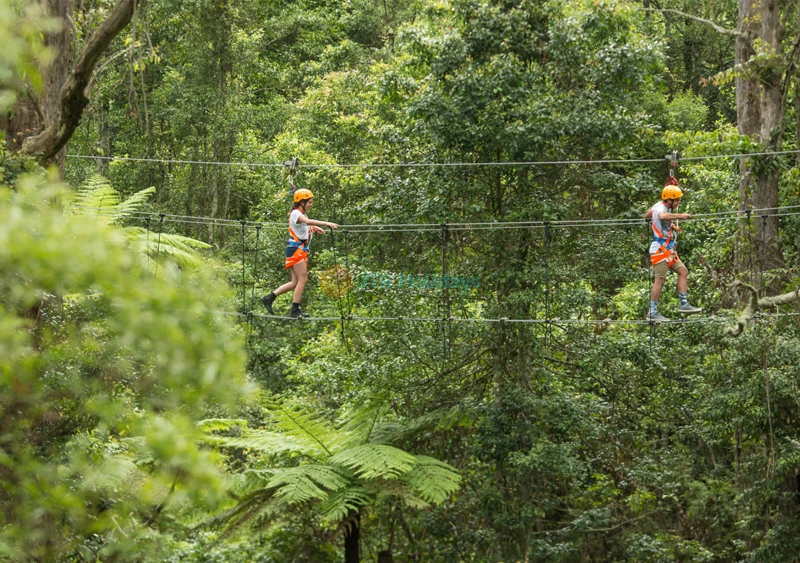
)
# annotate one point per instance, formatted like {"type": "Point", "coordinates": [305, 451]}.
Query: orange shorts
{"type": "Point", "coordinates": [295, 255]}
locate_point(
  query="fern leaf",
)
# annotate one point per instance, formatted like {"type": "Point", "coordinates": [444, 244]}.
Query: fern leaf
{"type": "Point", "coordinates": [396, 488]}
{"type": "Point", "coordinates": [307, 428]}
{"type": "Point", "coordinates": [433, 480]}
{"type": "Point", "coordinates": [339, 504]}
{"type": "Point", "coordinates": [219, 424]}
{"type": "Point", "coordinates": [96, 197]}
{"type": "Point", "coordinates": [251, 480]}
{"type": "Point", "coordinates": [262, 441]}
{"type": "Point", "coordinates": [361, 420]}
{"type": "Point", "coordinates": [133, 203]}
{"type": "Point", "coordinates": [438, 421]}
{"type": "Point", "coordinates": [109, 475]}
{"type": "Point", "coordinates": [373, 461]}
{"type": "Point", "coordinates": [181, 250]}
{"type": "Point", "coordinates": [296, 485]}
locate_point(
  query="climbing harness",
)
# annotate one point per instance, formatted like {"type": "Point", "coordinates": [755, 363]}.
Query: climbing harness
{"type": "Point", "coordinates": [666, 250]}
{"type": "Point", "coordinates": [301, 247]}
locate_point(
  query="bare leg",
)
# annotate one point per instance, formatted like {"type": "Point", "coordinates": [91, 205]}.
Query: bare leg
{"type": "Point", "coordinates": [288, 286]}
{"type": "Point", "coordinates": [655, 292]}
{"type": "Point", "coordinates": [683, 280]}
{"type": "Point", "coordinates": [300, 272]}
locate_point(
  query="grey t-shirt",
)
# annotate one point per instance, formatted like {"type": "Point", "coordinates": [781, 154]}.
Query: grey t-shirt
{"type": "Point", "coordinates": [662, 225]}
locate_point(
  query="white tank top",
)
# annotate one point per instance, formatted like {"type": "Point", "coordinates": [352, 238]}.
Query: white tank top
{"type": "Point", "coordinates": [300, 229]}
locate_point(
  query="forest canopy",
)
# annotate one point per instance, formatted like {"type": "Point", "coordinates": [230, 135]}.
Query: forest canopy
{"type": "Point", "coordinates": [464, 353]}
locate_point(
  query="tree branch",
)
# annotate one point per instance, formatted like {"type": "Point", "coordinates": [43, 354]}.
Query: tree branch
{"type": "Point", "coordinates": [90, 87]}
{"type": "Point", "coordinates": [790, 68]}
{"type": "Point", "coordinates": [48, 143]}
{"type": "Point", "coordinates": [755, 304]}
{"type": "Point", "coordinates": [714, 25]}
{"type": "Point", "coordinates": [161, 506]}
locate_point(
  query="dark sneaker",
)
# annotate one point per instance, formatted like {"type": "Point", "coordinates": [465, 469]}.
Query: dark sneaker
{"type": "Point", "coordinates": [656, 318]}
{"type": "Point", "coordinates": [267, 301]}
{"type": "Point", "coordinates": [689, 309]}
{"type": "Point", "coordinates": [296, 313]}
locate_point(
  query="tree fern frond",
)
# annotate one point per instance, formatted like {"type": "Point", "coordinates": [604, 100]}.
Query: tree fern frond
{"type": "Point", "coordinates": [235, 513]}
{"type": "Point", "coordinates": [439, 420]}
{"type": "Point", "coordinates": [300, 484]}
{"type": "Point", "coordinates": [181, 250]}
{"type": "Point", "coordinates": [432, 479]}
{"type": "Point", "coordinates": [134, 203]}
{"type": "Point", "coordinates": [267, 514]}
{"type": "Point", "coordinates": [220, 424]}
{"type": "Point", "coordinates": [111, 474]}
{"type": "Point", "coordinates": [396, 488]}
{"type": "Point", "coordinates": [95, 197]}
{"type": "Point", "coordinates": [178, 241]}
{"type": "Point", "coordinates": [373, 461]}
{"type": "Point", "coordinates": [339, 504]}
{"type": "Point", "coordinates": [251, 480]}
{"type": "Point", "coordinates": [307, 428]}
{"type": "Point", "coordinates": [361, 420]}
{"type": "Point", "coordinates": [262, 441]}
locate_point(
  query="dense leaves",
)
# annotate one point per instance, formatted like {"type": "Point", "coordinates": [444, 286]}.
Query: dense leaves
{"type": "Point", "coordinates": [448, 440]}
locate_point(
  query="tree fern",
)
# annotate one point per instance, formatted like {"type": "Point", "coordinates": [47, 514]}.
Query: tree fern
{"type": "Point", "coordinates": [272, 443]}
{"type": "Point", "coordinates": [339, 504]}
{"type": "Point", "coordinates": [296, 485]}
{"type": "Point", "coordinates": [375, 461]}
{"type": "Point", "coordinates": [98, 199]}
{"type": "Point", "coordinates": [341, 469]}
{"type": "Point", "coordinates": [220, 424]}
{"type": "Point", "coordinates": [432, 479]}
{"type": "Point", "coordinates": [309, 429]}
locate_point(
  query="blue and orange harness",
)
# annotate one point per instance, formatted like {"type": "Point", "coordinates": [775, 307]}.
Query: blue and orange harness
{"type": "Point", "coordinates": [666, 250]}
{"type": "Point", "coordinates": [297, 249]}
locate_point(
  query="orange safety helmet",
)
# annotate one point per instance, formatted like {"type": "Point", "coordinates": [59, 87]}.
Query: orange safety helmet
{"type": "Point", "coordinates": [302, 194]}
{"type": "Point", "coordinates": [671, 189]}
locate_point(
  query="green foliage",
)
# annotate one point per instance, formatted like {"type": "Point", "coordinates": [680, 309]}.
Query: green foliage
{"type": "Point", "coordinates": [344, 471]}
{"type": "Point", "coordinates": [599, 442]}
{"type": "Point", "coordinates": [98, 200]}
{"type": "Point", "coordinates": [99, 396]}
{"type": "Point", "coordinates": [24, 50]}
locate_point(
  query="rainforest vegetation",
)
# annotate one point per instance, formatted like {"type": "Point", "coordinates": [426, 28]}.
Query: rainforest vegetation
{"type": "Point", "coordinates": [476, 380]}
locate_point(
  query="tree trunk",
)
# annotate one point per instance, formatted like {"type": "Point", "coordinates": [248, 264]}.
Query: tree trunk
{"type": "Point", "coordinates": [766, 195]}
{"type": "Point", "coordinates": [748, 114]}
{"type": "Point", "coordinates": [59, 111]}
{"type": "Point", "coordinates": [352, 538]}
{"type": "Point", "coordinates": [35, 111]}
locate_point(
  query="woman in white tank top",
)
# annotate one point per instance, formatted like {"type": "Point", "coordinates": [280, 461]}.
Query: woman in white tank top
{"type": "Point", "coordinates": [301, 229]}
